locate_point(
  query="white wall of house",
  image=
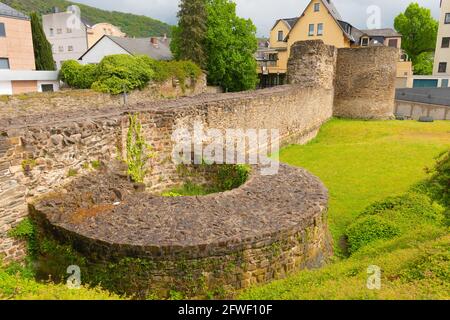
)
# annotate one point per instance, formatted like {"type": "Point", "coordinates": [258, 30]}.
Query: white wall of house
{"type": "Point", "coordinates": [5, 88]}
{"type": "Point", "coordinates": [104, 47]}
{"type": "Point", "coordinates": [442, 55]}
{"type": "Point", "coordinates": [55, 85]}
{"type": "Point", "coordinates": [67, 36]}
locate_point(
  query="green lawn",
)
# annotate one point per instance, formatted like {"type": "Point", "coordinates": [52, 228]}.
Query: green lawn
{"type": "Point", "coordinates": [362, 163]}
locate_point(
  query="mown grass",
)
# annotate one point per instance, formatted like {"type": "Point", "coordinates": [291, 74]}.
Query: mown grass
{"type": "Point", "coordinates": [362, 163]}
{"type": "Point", "coordinates": [17, 283]}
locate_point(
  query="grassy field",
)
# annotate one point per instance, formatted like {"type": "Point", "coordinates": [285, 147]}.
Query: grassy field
{"type": "Point", "coordinates": [361, 163]}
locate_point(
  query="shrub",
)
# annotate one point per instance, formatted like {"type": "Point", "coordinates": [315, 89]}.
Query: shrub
{"type": "Point", "coordinates": [77, 75]}
{"type": "Point", "coordinates": [164, 70]}
{"type": "Point", "coordinates": [120, 72]}
{"type": "Point", "coordinates": [368, 230]}
{"type": "Point", "coordinates": [411, 207]}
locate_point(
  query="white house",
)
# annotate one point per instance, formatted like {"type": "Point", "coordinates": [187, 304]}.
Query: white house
{"type": "Point", "coordinates": [157, 48]}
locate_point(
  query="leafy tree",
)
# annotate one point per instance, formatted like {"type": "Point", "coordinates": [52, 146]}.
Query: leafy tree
{"type": "Point", "coordinates": [419, 30]}
{"type": "Point", "coordinates": [230, 44]}
{"type": "Point", "coordinates": [189, 36]}
{"type": "Point", "coordinates": [42, 48]}
{"type": "Point", "coordinates": [424, 63]}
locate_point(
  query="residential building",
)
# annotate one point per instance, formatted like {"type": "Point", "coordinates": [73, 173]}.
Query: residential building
{"type": "Point", "coordinates": [156, 48]}
{"type": "Point", "coordinates": [71, 36]}
{"type": "Point", "coordinates": [442, 54]}
{"type": "Point", "coordinates": [97, 31]}
{"type": "Point", "coordinates": [321, 20]}
{"type": "Point", "coordinates": [17, 65]}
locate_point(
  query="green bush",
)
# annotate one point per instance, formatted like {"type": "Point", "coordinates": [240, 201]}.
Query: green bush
{"type": "Point", "coordinates": [78, 76]}
{"type": "Point", "coordinates": [164, 70]}
{"type": "Point", "coordinates": [120, 72]}
{"type": "Point", "coordinates": [368, 230]}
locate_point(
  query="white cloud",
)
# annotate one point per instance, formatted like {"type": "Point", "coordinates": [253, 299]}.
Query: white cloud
{"type": "Point", "coordinates": [265, 12]}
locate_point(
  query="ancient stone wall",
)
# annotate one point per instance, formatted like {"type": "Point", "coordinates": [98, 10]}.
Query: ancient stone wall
{"type": "Point", "coordinates": [41, 151]}
{"type": "Point", "coordinates": [312, 64]}
{"type": "Point", "coordinates": [365, 82]}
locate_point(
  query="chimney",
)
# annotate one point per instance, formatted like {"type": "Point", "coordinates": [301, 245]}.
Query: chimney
{"type": "Point", "coordinates": [165, 37]}
{"type": "Point", "coordinates": [154, 41]}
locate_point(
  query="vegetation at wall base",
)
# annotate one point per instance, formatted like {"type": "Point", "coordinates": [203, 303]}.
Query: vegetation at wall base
{"type": "Point", "coordinates": [120, 73]}
{"type": "Point", "coordinates": [374, 171]}
{"type": "Point", "coordinates": [133, 25]}
{"type": "Point", "coordinates": [42, 48]}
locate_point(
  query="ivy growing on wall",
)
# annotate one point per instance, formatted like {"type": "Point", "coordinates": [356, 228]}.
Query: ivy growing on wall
{"type": "Point", "coordinates": [138, 150]}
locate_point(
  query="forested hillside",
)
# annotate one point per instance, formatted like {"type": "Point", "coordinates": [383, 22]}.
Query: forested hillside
{"type": "Point", "coordinates": [132, 25]}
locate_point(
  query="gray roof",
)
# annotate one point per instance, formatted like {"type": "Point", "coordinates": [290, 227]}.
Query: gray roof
{"type": "Point", "coordinates": [438, 96]}
{"type": "Point", "coordinates": [332, 9]}
{"type": "Point", "coordinates": [7, 11]}
{"type": "Point", "coordinates": [289, 21]}
{"type": "Point", "coordinates": [385, 33]}
{"type": "Point", "coordinates": [138, 46]}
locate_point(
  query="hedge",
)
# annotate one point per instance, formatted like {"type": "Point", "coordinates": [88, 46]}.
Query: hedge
{"type": "Point", "coordinates": [117, 73]}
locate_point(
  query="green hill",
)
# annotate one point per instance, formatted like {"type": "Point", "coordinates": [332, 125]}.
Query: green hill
{"type": "Point", "coordinates": [133, 25]}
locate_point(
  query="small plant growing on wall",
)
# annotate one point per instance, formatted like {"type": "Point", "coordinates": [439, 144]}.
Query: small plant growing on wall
{"type": "Point", "coordinates": [138, 151]}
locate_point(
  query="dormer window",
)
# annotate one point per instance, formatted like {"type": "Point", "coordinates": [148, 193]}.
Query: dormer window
{"type": "Point", "coordinates": [316, 7]}
{"type": "Point", "coordinates": [365, 42]}
{"type": "Point", "coordinates": [280, 35]}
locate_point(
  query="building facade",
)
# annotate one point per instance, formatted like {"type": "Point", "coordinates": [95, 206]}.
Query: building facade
{"type": "Point", "coordinates": [71, 36]}
{"type": "Point", "coordinates": [321, 20]}
{"type": "Point", "coordinates": [97, 31]}
{"type": "Point", "coordinates": [442, 55]}
{"type": "Point", "coordinates": [17, 63]}
{"type": "Point", "coordinates": [67, 34]}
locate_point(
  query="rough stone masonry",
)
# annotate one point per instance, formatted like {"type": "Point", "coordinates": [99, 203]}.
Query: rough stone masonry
{"type": "Point", "coordinates": [39, 150]}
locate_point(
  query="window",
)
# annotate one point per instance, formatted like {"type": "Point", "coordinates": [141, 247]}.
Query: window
{"type": "Point", "coordinates": [320, 29]}
{"type": "Point", "coordinates": [280, 36]}
{"type": "Point", "coordinates": [365, 42]}
{"type": "Point", "coordinates": [61, 49]}
{"type": "Point", "coordinates": [444, 83]}
{"type": "Point", "coordinates": [2, 30]}
{"type": "Point", "coordinates": [393, 43]}
{"type": "Point", "coordinates": [445, 42]}
{"type": "Point", "coordinates": [47, 88]}
{"type": "Point", "coordinates": [4, 63]}
{"type": "Point", "coordinates": [442, 67]}
{"type": "Point", "coordinates": [70, 48]}
{"type": "Point", "coordinates": [52, 32]}
{"type": "Point", "coordinates": [316, 7]}
{"type": "Point", "coordinates": [59, 31]}
{"type": "Point", "coordinates": [69, 30]}
{"type": "Point", "coordinates": [311, 30]}
{"type": "Point", "coordinates": [447, 18]}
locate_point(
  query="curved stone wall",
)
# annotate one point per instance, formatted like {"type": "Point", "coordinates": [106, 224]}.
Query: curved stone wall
{"type": "Point", "coordinates": [365, 86]}
{"type": "Point", "coordinates": [268, 227]}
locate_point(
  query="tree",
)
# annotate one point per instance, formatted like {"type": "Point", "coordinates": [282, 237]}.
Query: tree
{"type": "Point", "coordinates": [230, 45]}
{"type": "Point", "coordinates": [42, 48]}
{"type": "Point", "coordinates": [188, 38]}
{"type": "Point", "coordinates": [424, 63]}
{"type": "Point", "coordinates": [419, 31]}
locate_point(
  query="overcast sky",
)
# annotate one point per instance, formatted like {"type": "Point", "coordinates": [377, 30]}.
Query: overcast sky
{"type": "Point", "coordinates": [265, 12]}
